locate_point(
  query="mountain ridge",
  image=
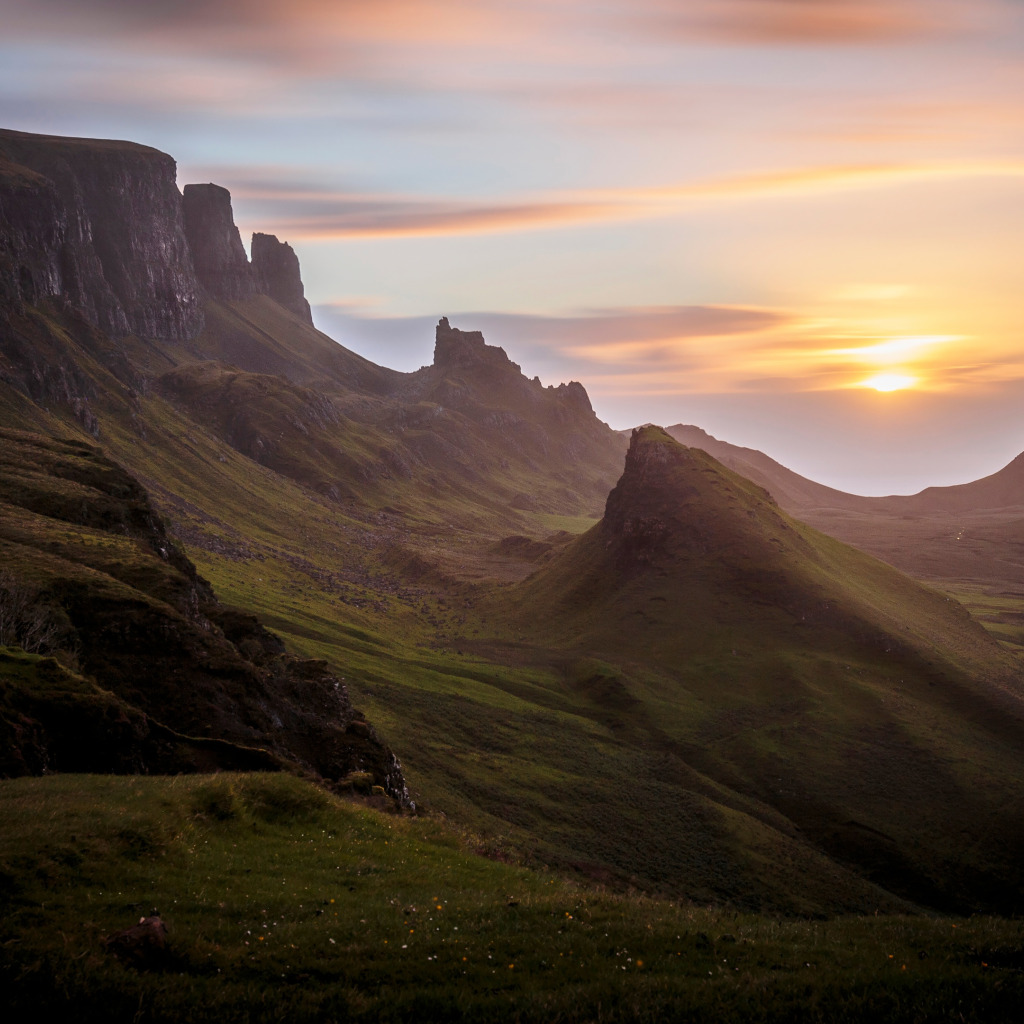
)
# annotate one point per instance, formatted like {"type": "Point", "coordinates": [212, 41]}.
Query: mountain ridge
{"type": "Point", "coordinates": [1001, 489]}
{"type": "Point", "coordinates": [697, 671]}
{"type": "Point", "coordinates": [967, 537]}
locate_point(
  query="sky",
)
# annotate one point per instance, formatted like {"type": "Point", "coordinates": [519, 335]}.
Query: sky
{"type": "Point", "coordinates": [797, 224]}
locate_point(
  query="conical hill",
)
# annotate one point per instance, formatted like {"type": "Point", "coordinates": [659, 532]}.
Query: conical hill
{"type": "Point", "coordinates": [872, 712]}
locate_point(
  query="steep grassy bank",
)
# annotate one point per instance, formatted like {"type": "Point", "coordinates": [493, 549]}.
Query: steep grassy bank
{"type": "Point", "coordinates": [284, 903]}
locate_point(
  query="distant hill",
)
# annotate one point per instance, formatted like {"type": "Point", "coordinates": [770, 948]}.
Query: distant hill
{"type": "Point", "coordinates": [963, 536]}
{"type": "Point", "coordinates": [795, 493]}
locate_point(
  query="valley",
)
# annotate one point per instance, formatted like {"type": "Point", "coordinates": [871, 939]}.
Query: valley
{"type": "Point", "coordinates": [622, 664]}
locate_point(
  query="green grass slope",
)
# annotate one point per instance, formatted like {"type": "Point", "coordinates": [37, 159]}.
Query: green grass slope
{"type": "Point", "coordinates": [873, 714]}
{"type": "Point", "coordinates": [967, 539]}
{"type": "Point", "coordinates": [559, 728]}
{"type": "Point", "coordinates": [91, 576]}
{"type": "Point", "coordinates": [468, 438]}
{"type": "Point", "coordinates": [282, 903]}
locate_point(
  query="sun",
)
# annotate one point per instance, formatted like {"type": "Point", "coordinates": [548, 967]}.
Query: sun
{"type": "Point", "coordinates": [889, 382]}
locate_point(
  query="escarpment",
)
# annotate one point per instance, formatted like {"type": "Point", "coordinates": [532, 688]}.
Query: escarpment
{"type": "Point", "coordinates": [275, 269]}
{"type": "Point", "coordinates": [98, 225]}
{"type": "Point", "coordinates": [221, 264]}
{"type": "Point", "coordinates": [101, 227]}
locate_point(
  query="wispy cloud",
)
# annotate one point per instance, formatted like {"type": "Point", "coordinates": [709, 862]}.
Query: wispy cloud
{"type": "Point", "coordinates": [300, 34]}
{"type": "Point", "coordinates": [798, 22]}
{"type": "Point", "coordinates": [579, 345]}
{"type": "Point", "coordinates": [303, 212]}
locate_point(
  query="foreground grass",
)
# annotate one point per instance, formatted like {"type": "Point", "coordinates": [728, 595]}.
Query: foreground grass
{"type": "Point", "coordinates": [285, 904]}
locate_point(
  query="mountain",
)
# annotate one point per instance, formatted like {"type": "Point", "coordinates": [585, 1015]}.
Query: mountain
{"type": "Point", "coordinates": [795, 493]}
{"type": "Point", "coordinates": [224, 521]}
{"type": "Point", "coordinates": [811, 680]}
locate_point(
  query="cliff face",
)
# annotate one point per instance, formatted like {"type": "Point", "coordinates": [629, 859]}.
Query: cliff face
{"type": "Point", "coordinates": [223, 270]}
{"type": "Point", "coordinates": [221, 264]}
{"type": "Point", "coordinates": [276, 270]}
{"type": "Point", "coordinates": [33, 224]}
{"type": "Point", "coordinates": [456, 349]}
{"type": "Point", "coordinates": [100, 225]}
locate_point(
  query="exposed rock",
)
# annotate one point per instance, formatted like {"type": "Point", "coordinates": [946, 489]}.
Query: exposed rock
{"type": "Point", "coordinates": [276, 270]}
{"type": "Point", "coordinates": [221, 264]}
{"type": "Point", "coordinates": [143, 946]}
{"type": "Point", "coordinates": [34, 226]}
{"type": "Point", "coordinates": [575, 399]}
{"type": "Point", "coordinates": [98, 224]}
{"type": "Point", "coordinates": [454, 349]}
{"type": "Point", "coordinates": [174, 679]}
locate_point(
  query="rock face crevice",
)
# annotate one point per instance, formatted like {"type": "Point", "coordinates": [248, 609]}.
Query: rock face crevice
{"type": "Point", "coordinates": [99, 225]}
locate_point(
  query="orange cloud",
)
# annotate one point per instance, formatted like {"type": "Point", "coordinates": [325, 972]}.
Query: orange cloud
{"type": "Point", "coordinates": [414, 219]}
{"type": "Point", "coordinates": [301, 212]}
{"type": "Point", "coordinates": [798, 22]}
{"type": "Point", "coordinates": [266, 29]}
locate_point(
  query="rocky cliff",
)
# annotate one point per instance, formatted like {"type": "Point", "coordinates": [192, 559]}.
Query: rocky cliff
{"type": "Point", "coordinates": [221, 264]}
{"type": "Point", "coordinates": [100, 226]}
{"type": "Point", "coordinates": [222, 267]}
{"type": "Point", "coordinates": [174, 679]}
{"type": "Point", "coordinates": [275, 268]}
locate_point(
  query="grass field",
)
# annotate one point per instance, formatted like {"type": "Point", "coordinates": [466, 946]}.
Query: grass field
{"type": "Point", "coordinates": [283, 903]}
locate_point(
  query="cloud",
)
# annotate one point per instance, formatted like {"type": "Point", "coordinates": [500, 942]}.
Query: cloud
{"type": "Point", "coordinates": [797, 22]}
{"type": "Point", "coordinates": [295, 32]}
{"type": "Point", "coordinates": [649, 346]}
{"type": "Point", "coordinates": [354, 217]}
{"type": "Point", "coordinates": [302, 211]}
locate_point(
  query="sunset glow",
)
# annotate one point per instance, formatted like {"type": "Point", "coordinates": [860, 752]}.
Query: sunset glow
{"type": "Point", "coordinates": [889, 382]}
{"type": "Point", "coordinates": [739, 213]}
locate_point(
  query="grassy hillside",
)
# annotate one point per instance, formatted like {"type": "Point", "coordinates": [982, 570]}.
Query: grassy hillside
{"type": "Point", "coordinates": [593, 739]}
{"type": "Point", "coordinates": [161, 676]}
{"type": "Point", "coordinates": [870, 713]}
{"type": "Point", "coordinates": [967, 540]}
{"type": "Point", "coordinates": [283, 903]}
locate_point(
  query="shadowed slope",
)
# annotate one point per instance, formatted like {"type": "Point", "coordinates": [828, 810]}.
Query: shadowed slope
{"type": "Point", "coordinates": [872, 712]}
{"type": "Point", "coordinates": [965, 536]}
{"type": "Point", "coordinates": [170, 679]}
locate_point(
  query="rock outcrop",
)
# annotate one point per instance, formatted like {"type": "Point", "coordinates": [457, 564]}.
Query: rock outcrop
{"type": "Point", "coordinates": [275, 268]}
{"type": "Point", "coordinates": [171, 679]}
{"type": "Point", "coordinates": [101, 227]}
{"type": "Point", "coordinates": [221, 264]}
{"type": "Point", "coordinates": [455, 349]}
{"type": "Point", "coordinates": [98, 225]}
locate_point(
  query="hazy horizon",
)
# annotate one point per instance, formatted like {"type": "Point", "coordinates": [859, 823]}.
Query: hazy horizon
{"type": "Point", "coordinates": [795, 225]}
